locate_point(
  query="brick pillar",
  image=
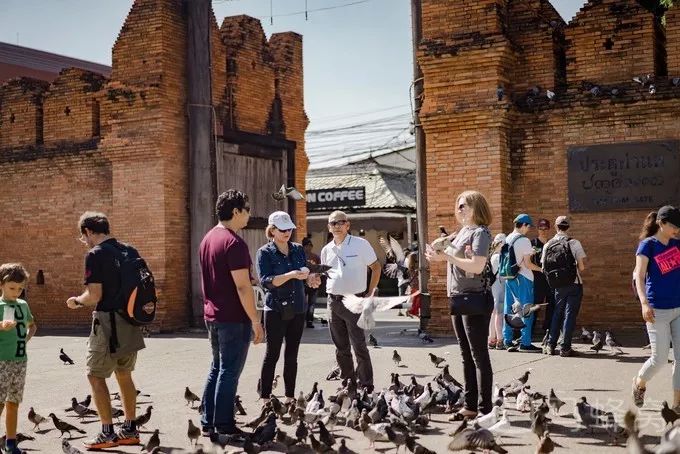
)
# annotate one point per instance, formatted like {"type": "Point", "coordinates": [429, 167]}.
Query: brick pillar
{"type": "Point", "coordinates": [464, 56]}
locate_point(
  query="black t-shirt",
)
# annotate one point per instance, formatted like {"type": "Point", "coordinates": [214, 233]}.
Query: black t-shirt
{"type": "Point", "coordinates": [102, 266]}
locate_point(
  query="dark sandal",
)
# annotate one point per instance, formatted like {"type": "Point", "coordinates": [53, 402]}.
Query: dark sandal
{"type": "Point", "coordinates": [460, 416]}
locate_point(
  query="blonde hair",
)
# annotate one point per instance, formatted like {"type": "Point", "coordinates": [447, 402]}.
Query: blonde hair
{"type": "Point", "coordinates": [269, 231]}
{"type": "Point", "coordinates": [481, 213]}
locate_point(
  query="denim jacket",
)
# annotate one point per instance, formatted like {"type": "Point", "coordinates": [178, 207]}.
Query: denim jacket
{"type": "Point", "coordinates": [271, 263]}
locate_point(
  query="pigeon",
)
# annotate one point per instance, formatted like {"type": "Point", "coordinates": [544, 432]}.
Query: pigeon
{"type": "Point", "coordinates": [63, 426]}
{"type": "Point", "coordinates": [289, 192]}
{"type": "Point", "coordinates": [154, 441]}
{"type": "Point", "coordinates": [87, 401]}
{"type": "Point", "coordinates": [117, 413]}
{"type": "Point", "coordinates": [545, 444]}
{"type": "Point", "coordinates": [301, 432]}
{"type": "Point", "coordinates": [19, 437]}
{"type": "Point", "coordinates": [652, 89]}
{"type": "Point", "coordinates": [64, 357]}
{"type": "Point", "coordinates": [489, 419]}
{"type": "Point", "coordinates": [373, 432]}
{"type": "Point", "coordinates": [555, 402]}
{"type": "Point", "coordinates": [589, 415]}
{"type": "Point", "coordinates": [440, 244]}
{"type": "Point", "coordinates": [502, 425]}
{"type": "Point", "coordinates": [595, 91]}
{"type": "Point", "coordinates": [515, 321]}
{"type": "Point", "coordinates": [639, 80]}
{"type": "Point", "coordinates": [275, 382]}
{"type": "Point", "coordinates": [372, 341]}
{"type": "Point", "coordinates": [436, 360]}
{"type": "Point", "coordinates": [527, 309]}
{"type": "Point", "coordinates": [668, 414]}
{"type": "Point", "coordinates": [238, 406]}
{"type": "Point", "coordinates": [586, 336]}
{"type": "Point", "coordinates": [396, 358]}
{"type": "Point", "coordinates": [415, 447]}
{"type": "Point", "coordinates": [35, 418]}
{"type": "Point", "coordinates": [193, 433]}
{"type": "Point", "coordinates": [325, 436]}
{"type": "Point", "coordinates": [396, 437]}
{"type": "Point", "coordinates": [143, 419]}
{"type": "Point", "coordinates": [550, 94]}
{"type": "Point", "coordinates": [190, 397]}
{"type": "Point", "coordinates": [68, 449]}
{"type": "Point", "coordinates": [500, 93]}
{"type": "Point", "coordinates": [598, 342]}
{"type": "Point", "coordinates": [253, 423]}
{"type": "Point", "coordinates": [676, 81]}
{"type": "Point", "coordinates": [612, 343]}
{"type": "Point", "coordinates": [81, 410]}
{"type": "Point", "coordinates": [426, 338]}
{"type": "Point", "coordinates": [319, 447]}
{"type": "Point", "coordinates": [265, 432]}
{"type": "Point", "coordinates": [539, 424]}
{"type": "Point", "coordinates": [466, 439]}
{"type": "Point", "coordinates": [367, 306]}
{"type": "Point", "coordinates": [315, 388]}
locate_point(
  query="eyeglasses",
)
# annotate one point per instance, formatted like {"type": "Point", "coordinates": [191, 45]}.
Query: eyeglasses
{"type": "Point", "coordinates": [337, 223]}
{"type": "Point", "coordinates": [283, 231]}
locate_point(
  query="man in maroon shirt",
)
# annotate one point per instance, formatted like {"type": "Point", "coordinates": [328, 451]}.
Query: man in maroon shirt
{"type": "Point", "coordinates": [229, 310]}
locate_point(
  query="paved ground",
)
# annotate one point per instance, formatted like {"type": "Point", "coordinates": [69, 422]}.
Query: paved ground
{"type": "Point", "coordinates": [172, 362]}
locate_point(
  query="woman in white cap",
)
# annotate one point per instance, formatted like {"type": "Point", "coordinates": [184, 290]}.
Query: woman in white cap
{"type": "Point", "coordinates": [281, 268]}
{"type": "Point", "coordinates": [498, 292]}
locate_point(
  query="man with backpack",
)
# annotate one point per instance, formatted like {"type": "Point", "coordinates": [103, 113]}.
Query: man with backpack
{"type": "Point", "coordinates": [516, 267]}
{"type": "Point", "coordinates": [563, 262]}
{"type": "Point", "coordinates": [114, 340]}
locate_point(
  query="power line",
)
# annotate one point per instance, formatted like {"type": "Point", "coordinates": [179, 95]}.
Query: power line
{"type": "Point", "coordinates": [326, 8]}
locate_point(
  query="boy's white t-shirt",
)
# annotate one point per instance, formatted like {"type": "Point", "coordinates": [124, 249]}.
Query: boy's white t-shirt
{"type": "Point", "coordinates": [522, 247]}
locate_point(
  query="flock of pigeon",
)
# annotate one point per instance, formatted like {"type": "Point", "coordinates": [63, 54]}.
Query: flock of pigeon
{"type": "Point", "coordinates": [397, 416]}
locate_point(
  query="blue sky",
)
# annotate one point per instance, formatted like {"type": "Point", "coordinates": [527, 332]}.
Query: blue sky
{"type": "Point", "coordinates": [357, 58]}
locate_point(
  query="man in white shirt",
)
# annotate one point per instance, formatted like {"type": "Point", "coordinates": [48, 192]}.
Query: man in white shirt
{"type": "Point", "coordinates": [521, 288]}
{"type": "Point", "coordinates": [568, 295]}
{"type": "Point", "coordinates": [349, 257]}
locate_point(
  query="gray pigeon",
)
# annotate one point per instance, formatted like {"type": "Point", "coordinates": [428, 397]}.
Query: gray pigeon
{"type": "Point", "coordinates": [396, 358]}
{"type": "Point", "coordinates": [289, 192]}
{"type": "Point", "coordinates": [515, 321]}
{"type": "Point", "coordinates": [466, 439]}
{"type": "Point", "coordinates": [153, 442]}
{"type": "Point", "coordinates": [612, 343]}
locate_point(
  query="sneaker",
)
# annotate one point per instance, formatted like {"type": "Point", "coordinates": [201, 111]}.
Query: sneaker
{"type": "Point", "coordinates": [638, 394]}
{"type": "Point", "coordinates": [512, 348]}
{"type": "Point", "coordinates": [127, 437]}
{"type": "Point", "coordinates": [102, 441]}
{"type": "Point", "coordinates": [492, 344]}
{"type": "Point", "coordinates": [16, 450]}
{"type": "Point", "coordinates": [568, 353]}
{"type": "Point", "coordinates": [548, 350]}
{"type": "Point", "coordinates": [529, 348]}
{"type": "Point", "coordinates": [500, 346]}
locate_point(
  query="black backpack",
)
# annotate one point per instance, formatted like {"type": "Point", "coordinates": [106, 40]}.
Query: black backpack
{"type": "Point", "coordinates": [137, 295]}
{"type": "Point", "coordinates": [559, 264]}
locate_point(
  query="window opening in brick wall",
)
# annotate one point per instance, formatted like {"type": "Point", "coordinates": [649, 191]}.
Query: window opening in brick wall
{"type": "Point", "coordinates": [67, 111]}
{"type": "Point", "coordinates": [608, 44]}
{"type": "Point", "coordinates": [40, 278]}
{"type": "Point", "coordinates": [12, 117]}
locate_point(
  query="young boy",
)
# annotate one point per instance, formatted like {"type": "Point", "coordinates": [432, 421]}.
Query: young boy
{"type": "Point", "coordinates": [16, 328]}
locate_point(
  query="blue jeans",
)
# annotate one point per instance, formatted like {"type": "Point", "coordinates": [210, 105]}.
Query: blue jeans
{"type": "Point", "coordinates": [229, 342]}
{"type": "Point", "coordinates": [567, 304]}
{"type": "Point", "coordinates": [519, 289]}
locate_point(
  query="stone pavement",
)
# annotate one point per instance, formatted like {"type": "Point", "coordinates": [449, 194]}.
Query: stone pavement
{"type": "Point", "coordinates": [169, 363]}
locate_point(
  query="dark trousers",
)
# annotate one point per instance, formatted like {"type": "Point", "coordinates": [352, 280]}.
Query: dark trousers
{"type": "Point", "coordinates": [567, 305]}
{"type": "Point", "coordinates": [345, 334]}
{"type": "Point", "coordinates": [229, 343]}
{"type": "Point", "coordinates": [310, 294]}
{"type": "Point", "coordinates": [472, 332]}
{"type": "Point", "coordinates": [277, 331]}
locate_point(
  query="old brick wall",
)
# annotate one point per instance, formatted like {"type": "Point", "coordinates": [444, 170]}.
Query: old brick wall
{"type": "Point", "coordinates": [120, 145]}
{"type": "Point", "coordinates": [515, 150]}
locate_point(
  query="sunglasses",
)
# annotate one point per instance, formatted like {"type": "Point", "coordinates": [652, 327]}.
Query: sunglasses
{"type": "Point", "coordinates": [337, 223]}
{"type": "Point", "coordinates": [284, 231]}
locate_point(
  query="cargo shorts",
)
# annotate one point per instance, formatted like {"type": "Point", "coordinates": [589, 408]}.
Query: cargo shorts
{"type": "Point", "coordinates": [101, 362]}
{"type": "Point", "coordinates": [12, 381]}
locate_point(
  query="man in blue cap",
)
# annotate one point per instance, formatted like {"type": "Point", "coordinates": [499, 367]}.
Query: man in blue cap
{"type": "Point", "coordinates": [520, 289]}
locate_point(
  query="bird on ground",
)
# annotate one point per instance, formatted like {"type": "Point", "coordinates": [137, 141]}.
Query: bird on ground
{"type": "Point", "coordinates": [590, 416]}
{"type": "Point", "coordinates": [396, 358]}
{"type": "Point", "coordinates": [668, 414]}
{"type": "Point", "coordinates": [502, 425]}
{"type": "Point", "coordinates": [436, 360]}
{"type": "Point", "coordinates": [555, 402]}
{"type": "Point", "coordinates": [266, 431]}
{"type": "Point", "coordinates": [193, 433]}
{"type": "Point", "coordinates": [63, 426]}
{"type": "Point", "coordinates": [545, 444]}
{"type": "Point", "coordinates": [287, 192]}
{"type": "Point", "coordinates": [366, 307]}
{"type": "Point", "coordinates": [598, 342]}
{"type": "Point", "coordinates": [283, 438]}
{"type": "Point", "coordinates": [372, 341]}
{"type": "Point", "coordinates": [253, 423]}
{"type": "Point", "coordinates": [117, 413]}
{"type": "Point", "coordinates": [539, 424]}
{"type": "Point", "coordinates": [275, 382]}
{"type": "Point", "coordinates": [87, 401]}
{"type": "Point", "coordinates": [465, 438]}
{"type": "Point", "coordinates": [154, 441]}
{"type": "Point", "coordinates": [319, 447]}
{"type": "Point", "coordinates": [324, 435]}
{"type": "Point", "coordinates": [64, 357]}
{"type": "Point", "coordinates": [373, 432]}
{"type": "Point", "coordinates": [81, 410]}
{"type": "Point", "coordinates": [415, 388]}
{"type": "Point", "coordinates": [417, 448]}
{"type": "Point", "coordinates": [301, 432]}
{"type": "Point", "coordinates": [315, 388]}
{"type": "Point", "coordinates": [68, 449]}
{"type": "Point", "coordinates": [613, 345]}
{"type": "Point", "coordinates": [586, 336]}
{"type": "Point", "coordinates": [143, 419]}
{"type": "Point", "coordinates": [35, 418]}
{"type": "Point", "coordinates": [396, 437]}
{"type": "Point", "coordinates": [489, 419]}
{"type": "Point", "coordinates": [190, 397]}
{"type": "Point", "coordinates": [238, 405]}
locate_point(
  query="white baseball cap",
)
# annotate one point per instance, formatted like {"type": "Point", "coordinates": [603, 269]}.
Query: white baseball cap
{"type": "Point", "coordinates": [281, 220]}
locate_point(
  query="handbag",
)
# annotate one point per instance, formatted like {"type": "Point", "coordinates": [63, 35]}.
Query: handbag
{"type": "Point", "coordinates": [471, 304]}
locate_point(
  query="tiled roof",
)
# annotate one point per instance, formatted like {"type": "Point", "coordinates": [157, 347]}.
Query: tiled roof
{"type": "Point", "coordinates": [386, 186]}
{"type": "Point", "coordinates": [45, 61]}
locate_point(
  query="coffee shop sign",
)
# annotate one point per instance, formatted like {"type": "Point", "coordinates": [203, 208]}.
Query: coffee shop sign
{"type": "Point", "coordinates": [336, 197]}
